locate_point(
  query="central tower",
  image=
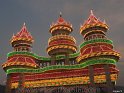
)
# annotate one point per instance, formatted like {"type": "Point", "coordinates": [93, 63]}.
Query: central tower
{"type": "Point", "coordinates": [61, 43]}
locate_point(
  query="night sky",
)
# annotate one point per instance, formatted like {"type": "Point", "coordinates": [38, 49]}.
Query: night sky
{"type": "Point", "coordinates": [39, 14]}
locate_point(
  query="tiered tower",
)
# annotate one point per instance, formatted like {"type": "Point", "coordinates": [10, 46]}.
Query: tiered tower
{"type": "Point", "coordinates": [97, 52]}
{"type": "Point", "coordinates": [21, 42]}
{"type": "Point", "coordinates": [61, 43]}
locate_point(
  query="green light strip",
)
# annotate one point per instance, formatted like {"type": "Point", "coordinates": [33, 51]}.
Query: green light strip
{"type": "Point", "coordinates": [59, 57]}
{"type": "Point", "coordinates": [96, 41]}
{"type": "Point", "coordinates": [74, 55]}
{"type": "Point", "coordinates": [78, 66]}
{"type": "Point", "coordinates": [28, 54]}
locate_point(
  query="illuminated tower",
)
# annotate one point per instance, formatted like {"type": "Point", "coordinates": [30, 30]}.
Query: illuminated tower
{"type": "Point", "coordinates": [65, 70]}
{"type": "Point", "coordinates": [21, 42]}
{"type": "Point", "coordinates": [98, 51]}
{"type": "Point", "coordinates": [61, 43]}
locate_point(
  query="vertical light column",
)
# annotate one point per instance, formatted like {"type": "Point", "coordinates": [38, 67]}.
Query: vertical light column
{"type": "Point", "coordinates": [108, 79]}
{"type": "Point", "coordinates": [21, 88]}
{"type": "Point", "coordinates": [67, 59]}
{"type": "Point", "coordinates": [8, 84]}
{"type": "Point", "coordinates": [53, 58]}
{"type": "Point", "coordinates": [91, 76]}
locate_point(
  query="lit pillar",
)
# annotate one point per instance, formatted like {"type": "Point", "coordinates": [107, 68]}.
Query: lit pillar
{"type": "Point", "coordinates": [108, 78]}
{"type": "Point", "coordinates": [53, 58]}
{"type": "Point", "coordinates": [67, 59]}
{"type": "Point", "coordinates": [21, 84]}
{"type": "Point", "coordinates": [8, 84]}
{"type": "Point", "coordinates": [91, 76]}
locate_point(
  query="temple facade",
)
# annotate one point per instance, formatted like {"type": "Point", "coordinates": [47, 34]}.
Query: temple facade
{"type": "Point", "coordinates": [87, 68]}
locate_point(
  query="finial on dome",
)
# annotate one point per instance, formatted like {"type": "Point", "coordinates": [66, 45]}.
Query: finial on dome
{"type": "Point", "coordinates": [104, 21]}
{"type": "Point", "coordinates": [24, 24]}
{"type": "Point", "coordinates": [60, 14]}
{"type": "Point", "coordinates": [13, 34]}
{"type": "Point", "coordinates": [91, 12]}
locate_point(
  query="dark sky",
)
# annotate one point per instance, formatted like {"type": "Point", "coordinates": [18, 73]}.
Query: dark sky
{"type": "Point", "coordinates": [39, 14]}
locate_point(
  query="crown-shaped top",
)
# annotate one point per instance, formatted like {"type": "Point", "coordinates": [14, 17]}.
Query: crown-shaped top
{"type": "Point", "coordinates": [93, 21]}
{"type": "Point", "coordinates": [60, 22]}
{"type": "Point", "coordinates": [23, 34]}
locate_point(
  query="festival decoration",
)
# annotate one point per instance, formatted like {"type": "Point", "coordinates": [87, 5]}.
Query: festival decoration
{"type": "Point", "coordinates": [93, 64]}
